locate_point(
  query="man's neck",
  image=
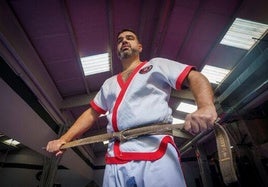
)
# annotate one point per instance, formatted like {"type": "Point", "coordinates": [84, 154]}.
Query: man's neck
{"type": "Point", "coordinates": [130, 63]}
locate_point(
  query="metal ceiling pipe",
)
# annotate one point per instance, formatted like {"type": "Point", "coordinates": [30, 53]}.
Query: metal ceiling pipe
{"type": "Point", "coordinates": [243, 102]}
{"type": "Point", "coordinates": [259, 89]}
{"type": "Point", "coordinates": [204, 135]}
{"type": "Point", "coordinates": [243, 77]}
{"type": "Point", "coordinates": [189, 145]}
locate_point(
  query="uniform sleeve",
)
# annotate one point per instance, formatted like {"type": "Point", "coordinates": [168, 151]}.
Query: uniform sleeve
{"type": "Point", "coordinates": [182, 76]}
{"type": "Point", "coordinates": [173, 71]}
{"type": "Point", "coordinates": [99, 102]}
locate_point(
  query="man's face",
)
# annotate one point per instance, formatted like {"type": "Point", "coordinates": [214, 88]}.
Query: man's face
{"type": "Point", "coordinates": [127, 45]}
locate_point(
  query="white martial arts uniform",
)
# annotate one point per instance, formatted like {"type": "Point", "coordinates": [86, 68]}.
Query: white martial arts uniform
{"type": "Point", "coordinates": [142, 99]}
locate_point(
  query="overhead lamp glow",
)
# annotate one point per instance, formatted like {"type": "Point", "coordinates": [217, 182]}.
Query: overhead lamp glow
{"type": "Point", "coordinates": [214, 74]}
{"type": "Point", "coordinates": [105, 142]}
{"type": "Point", "coordinates": [187, 108]}
{"type": "Point", "coordinates": [11, 142]}
{"type": "Point", "coordinates": [104, 114]}
{"type": "Point", "coordinates": [244, 33]}
{"type": "Point", "coordinates": [96, 64]}
{"type": "Point", "coordinates": [177, 121]}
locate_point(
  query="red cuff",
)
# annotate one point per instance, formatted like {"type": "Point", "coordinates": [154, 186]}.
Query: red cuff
{"type": "Point", "coordinates": [97, 108]}
{"type": "Point", "coordinates": [182, 76]}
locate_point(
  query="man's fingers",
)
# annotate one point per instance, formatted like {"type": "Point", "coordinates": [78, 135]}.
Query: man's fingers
{"type": "Point", "coordinates": [191, 127]}
{"type": "Point", "coordinates": [54, 146]}
{"type": "Point", "coordinates": [59, 153]}
{"type": "Point", "coordinates": [198, 122]}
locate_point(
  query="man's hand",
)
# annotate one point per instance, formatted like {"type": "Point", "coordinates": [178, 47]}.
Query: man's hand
{"type": "Point", "coordinates": [54, 147]}
{"type": "Point", "coordinates": [82, 124]}
{"type": "Point", "coordinates": [206, 115]}
{"type": "Point", "coordinates": [201, 120]}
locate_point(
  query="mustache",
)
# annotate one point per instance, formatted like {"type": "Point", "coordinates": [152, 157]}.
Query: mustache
{"type": "Point", "coordinates": [126, 54]}
{"type": "Point", "coordinates": [124, 46]}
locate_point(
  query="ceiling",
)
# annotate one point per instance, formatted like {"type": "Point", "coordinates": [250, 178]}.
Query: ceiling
{"type": "Point", "coordinates": [42, 42]}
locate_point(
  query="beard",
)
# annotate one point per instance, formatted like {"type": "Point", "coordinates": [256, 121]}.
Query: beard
{"type": "Point", "coordinates": [127, 53]}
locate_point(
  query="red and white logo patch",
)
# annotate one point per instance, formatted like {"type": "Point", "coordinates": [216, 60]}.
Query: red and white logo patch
{"type": "Point", "coordinates": [146, 69]}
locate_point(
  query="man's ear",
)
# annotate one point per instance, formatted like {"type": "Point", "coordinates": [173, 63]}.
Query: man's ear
{"type": "Point", "coordinates": [140, 48]}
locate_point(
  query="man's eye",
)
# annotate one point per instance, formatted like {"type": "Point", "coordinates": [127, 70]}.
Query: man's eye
{"type": "Point", "coordinates": [119, 40]}
{"type": "Point", "coordinates": [130, 38]}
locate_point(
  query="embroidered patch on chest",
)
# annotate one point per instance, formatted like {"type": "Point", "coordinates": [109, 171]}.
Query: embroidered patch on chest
{"type": "Point", "coordinates": [146, 69]}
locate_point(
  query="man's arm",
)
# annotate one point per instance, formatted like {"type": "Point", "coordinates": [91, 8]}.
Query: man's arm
{"type": "Point", "coordinates": [81, 125]}
{"type": "Point", "coordinates": [205, 115]}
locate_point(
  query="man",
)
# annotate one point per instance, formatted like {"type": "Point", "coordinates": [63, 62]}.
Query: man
{"type": "Point", "coordinates": [139, 96]}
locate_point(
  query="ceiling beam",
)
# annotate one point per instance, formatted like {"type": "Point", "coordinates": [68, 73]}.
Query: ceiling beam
{"type": "Point", "coordinates": [182, 94]}
{"type": "Point", "coordinates": [18, 52]}
{"type": "Point", "coordinates": [190, 29]}
{"type": "Point", "coordinates": [161, 28]}
{"type": "Point", "coordinates": [77, 101]}
{"type": "Point", "coordinates": [83, 100]}
{"type": "Point", "coordinates": [109, 10]}
{"type": "Point", "coordinates": [72, 35]}
{"type": "Point", "coordinates": [222, 33]}
{"type": "Point", "coordinates": [142, 21]}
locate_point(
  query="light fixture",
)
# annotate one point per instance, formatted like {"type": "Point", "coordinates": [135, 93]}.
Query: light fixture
{"type": "Point", "coordinates": [186, 107]}
{"type": "Point", "coordinates": [11, 142]}
{"type": "Point", "coordinates": [104, 114]}
{"type": "Point", "coordinates": [244, 33]}
{"type": "Point", "coordinates": [214, 74]}
{"type": "Point", "coordinates": [105, 142]}
{"type": "Point", "coordinates": [96, 64]}
{"type": "Point", "coordinates": [177, 121]}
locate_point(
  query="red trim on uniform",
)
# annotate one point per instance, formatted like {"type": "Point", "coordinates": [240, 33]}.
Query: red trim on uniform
{"type": "Point", "coordinates": [182, 76]}
{"type": "Point", "coordinates": [114, 160]}
{"type": "Point", "coordinates": [124, 86]}
{"type": "Point", "coordinates": [120, 156]}
{"type": "Point", "coordinates": [97, 108]}
{"type": "Point", "coordinates": [120, 81]}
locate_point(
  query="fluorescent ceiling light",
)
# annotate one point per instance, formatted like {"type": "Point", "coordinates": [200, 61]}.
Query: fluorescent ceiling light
{"type": "Point", "coordinates": [187, 108]}
{"type": "Point", "coordinates": [104, 114]}
{"type": "Point", "coordinates": [11, 142]}
{"type": "Point", "coordinates": [214, 74]}
{"type": "Point", "coordinates": [244, 33]}
{"type": "Point", "coordinates": [105, 142]}
{"type": "Point", "coordinates": [177, 121]}
{"type": "Point", "coordinates": [96, 64]}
